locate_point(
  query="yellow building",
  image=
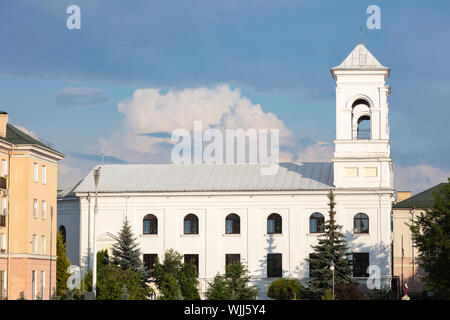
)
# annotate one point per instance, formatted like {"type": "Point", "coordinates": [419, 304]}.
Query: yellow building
{"type": "Point", "coordinates": [28, 187]}
{"type": "Point", "coordinates": [405, 254]}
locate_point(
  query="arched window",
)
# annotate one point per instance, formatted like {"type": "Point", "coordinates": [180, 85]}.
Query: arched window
{"type": "Point", "coordinates": [363, 131]}
{"type": "Point", "coordinates": [361, 223]}
{"type": "Point", "coordinates": [150, 224]}
{"type": "Point", "coordinates": [316, 223]}
{"type": "Point", "coordinates": [274, 223]}
{"type": "Point", "coordinates": [62, 230]}
{"type": "Point", "coordinates": [361, 119]}
{"type": "Point", "coordinates": [232, 224]}
{"type": "Point", "coordinates": [191, 224]}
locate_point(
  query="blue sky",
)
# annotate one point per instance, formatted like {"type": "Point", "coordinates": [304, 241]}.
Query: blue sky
{"type": "Point", "coordinates": [66, 85]}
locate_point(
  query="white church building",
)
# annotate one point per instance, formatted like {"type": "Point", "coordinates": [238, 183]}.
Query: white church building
{"type": "Point", "coordinates": [217, 213]}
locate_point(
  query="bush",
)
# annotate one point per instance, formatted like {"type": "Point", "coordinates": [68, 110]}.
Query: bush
{"type": "Point", "coordinates": [285, 289]}
{"type": "Point", "coordinates": [381, 294]}
{"type": "Point", "coordinates": [344, 291]}
{"type": "Point", "coordinates": [328, 295]}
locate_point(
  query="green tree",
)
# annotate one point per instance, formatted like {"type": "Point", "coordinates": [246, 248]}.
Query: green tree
{"type": "Point", "coordinates": [175, 279]}
{"type": "Point", "coordinates": [62, 263]}
{"type": "Point", "coordinates": [233, 285]}
{"type": "Point", "coordinates": [431, 236]}
{"type": "Point", "coordinates": [113, 280]}
{"type": "Point", "coordinates": [126, 253]}
{"type": "Point", "coordinates": [285, 289]}
{"type": "Point", "coordinates": [332, 247]}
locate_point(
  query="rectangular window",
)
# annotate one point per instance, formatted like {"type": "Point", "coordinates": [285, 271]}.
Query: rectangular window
{"type": "Point", "coordinates": [274, 265]}
{"type": "Point", "coordinates": [360, 264]}
{"type": "Point", "coordinates": [43, 249]}
{"type": "Point", "coordinates": [35, 208]}
{"type": "Point", "coordinates": [3, 242]}
{"type": "Point", "coordinates": [4, 168]}
{"type": "Point", "coordinates": [231, 258]}
{"type": "Point", "coordinates": [2, 284]}
{"type": "Point", "coordinates": [351, 172]}
{"type": "Point", "coordinates": [193, 259]}
{"type": "Point", "coordinates": [44, 209]}
{"type": "Point", "coordinates": [34, 284]}
{"type": "Point", "coordinates": [44, 175]}
{"type": "Point", "coordinates": [34, 243]}
{"type": "Point", "coordinates": [150, 260]}
{"type": "Point", "coordinates": [42, 285]}
{"type": "Point", "coordinates": [4, 206]}
{"type": "Point", "coordinates": [36, 172]}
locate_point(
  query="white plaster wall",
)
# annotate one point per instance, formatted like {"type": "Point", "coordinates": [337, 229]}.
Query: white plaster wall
{"type": "Point", "coordinates": [253, 244]}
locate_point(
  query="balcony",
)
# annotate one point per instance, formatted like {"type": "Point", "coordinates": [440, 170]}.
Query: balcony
{"type": "Point", "coordinates": [3, 183]}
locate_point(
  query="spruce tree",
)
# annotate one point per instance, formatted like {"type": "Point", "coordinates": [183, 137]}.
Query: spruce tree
{"type": "Point", "coordinates": [126, 253]}
{"type": "Point", "coordinates": [62, 263]}
{"type": "Point", "coordinates": [233, 285]}
{"type": "Point", "coordinates": [431, 236]}
{"type": "Point", "coordinates": [332, 247]}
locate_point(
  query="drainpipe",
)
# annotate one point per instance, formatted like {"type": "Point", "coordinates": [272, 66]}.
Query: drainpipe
{"type": "Point", "coordinates": [8, 195]}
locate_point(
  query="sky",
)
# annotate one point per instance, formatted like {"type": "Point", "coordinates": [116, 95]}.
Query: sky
{"type": "Point", "coordinates": [137, 70]}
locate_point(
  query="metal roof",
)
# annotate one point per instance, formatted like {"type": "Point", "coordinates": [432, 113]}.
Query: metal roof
{"type": "Point", "coordinates": [360, 58]}
{"type": "Point", "coordinates": [208, 177]}
{"type": "Point", "coordinates": [18, 137]}
{"type": "Point", "coordinates": [422, 200]}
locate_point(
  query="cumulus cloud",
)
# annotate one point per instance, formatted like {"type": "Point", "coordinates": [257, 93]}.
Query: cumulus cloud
{"type": "Point", "coordinates": [418, 178]}
{"type": "Point", "coordinates": [320, 151]}
{"type": "Point", "coordinates": [70, 97]}
{"type": "Point", "coordinates": [151, 115]}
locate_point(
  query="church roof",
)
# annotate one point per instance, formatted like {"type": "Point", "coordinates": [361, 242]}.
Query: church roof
{"type": "Point", "coordinates": [360, 58]}
{"type": "Point", "coordinates": [208, 177]}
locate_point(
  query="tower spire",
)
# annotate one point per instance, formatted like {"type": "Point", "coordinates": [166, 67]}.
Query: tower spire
{"type": "Point", "coordinates": [360, 34]}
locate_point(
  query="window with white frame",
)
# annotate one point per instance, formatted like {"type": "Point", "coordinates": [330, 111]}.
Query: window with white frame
{"type": "Point", "coordinates": [2, 284]}
{"type": "Point", "coordinates": [35, 208]}
{"type": "Point", "coordinates": [3, 242]}
{"type": "Point", "coordinates": [4, 168]}
{"type": "Point", "coordinates": [4, 205]}
{"type": "Point", "coordinates": [36, 172]}
{"type": "Point", "coordinates": [42, 285]}
{"type": "Point", "coordinates": [43, 244]}
{"type": "Point", "coordinates": [34, 284]}
{"type": "Point", "coordinates": [44, 209]}
{"type": "Point", "coordinates": [44, 174]}
{"type": "Point", "coordinates": [34, 243]}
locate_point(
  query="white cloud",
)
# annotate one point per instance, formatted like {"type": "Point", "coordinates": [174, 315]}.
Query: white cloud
{"type": "Point", "coordinates": [418, 178]}
{"type": "Point", "coordinates": [319, 152]}
{"type": "Point", "coordinates": [150, 111]}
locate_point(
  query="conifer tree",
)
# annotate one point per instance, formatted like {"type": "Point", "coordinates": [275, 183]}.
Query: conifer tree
{"type": "Point", "coordinates": [332, 247]}
{"type": "Point", "coordinates": [126, 253]}
{"type": "Point", "coordinates": [62, 263]}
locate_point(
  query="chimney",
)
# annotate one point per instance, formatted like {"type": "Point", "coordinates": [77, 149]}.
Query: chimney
{"type": "Point", "coordinates": [3, 123]}
{"type": "Point", "coordinates": [403, 195]}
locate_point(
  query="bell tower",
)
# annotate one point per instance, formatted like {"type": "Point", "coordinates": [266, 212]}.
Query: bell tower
{"type": "Point", "coordinates": [362, 156]}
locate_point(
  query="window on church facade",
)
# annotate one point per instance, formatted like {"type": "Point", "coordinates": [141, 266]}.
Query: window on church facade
{"type": "Point", "coordinates": [361, 223]}
{"type": "Point", "coordinates": [150, 224]}
{"type": "Point", "coordinates": [360, 264]}
{"type": "Point", "coordinates": [191, 224]}
{"type": "Point", "coordinates": [274, 224]}
{"type": "Point", "coordinates": [274, 265]}
{"type": "Point", "coordinates": [150, 260]}
{"type": "Point", "coordinates": [192, 259]}
{"type": "Point", "coordinates": [231, 258]}
{"type": "Point", "coordinates": [316, 223]}
{"type": "Point", "coordinates": [232, 224]}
